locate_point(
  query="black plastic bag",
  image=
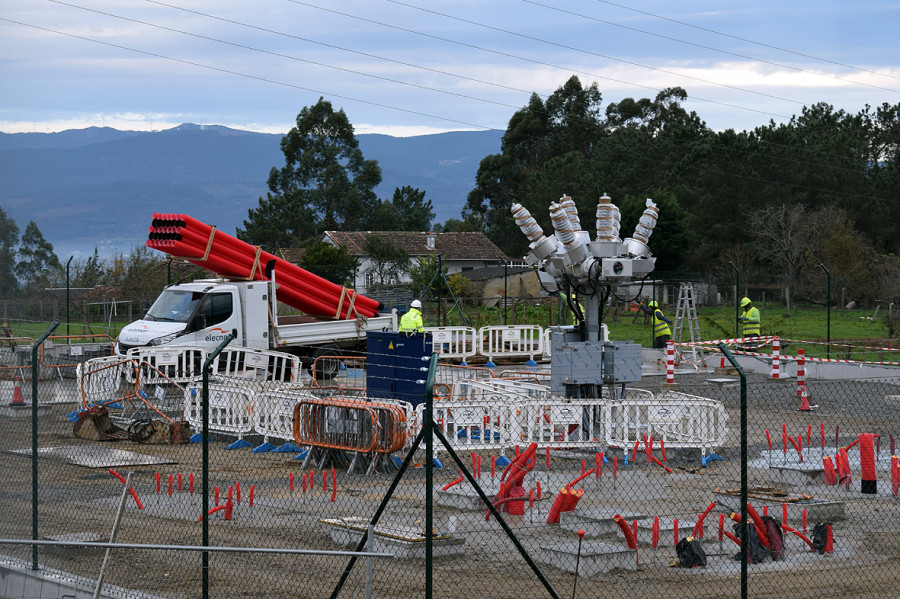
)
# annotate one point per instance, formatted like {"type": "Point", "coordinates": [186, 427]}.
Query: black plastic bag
{"type": "Point", "coordinates": [820, 536]}
{"type": "Point", "coordinates": [690, 553]}
{"type": "Point", "coordinates": [757, 553]}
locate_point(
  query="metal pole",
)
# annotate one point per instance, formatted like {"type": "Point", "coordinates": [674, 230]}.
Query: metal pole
{"type": "Point", "coordinates": [428, 427]}
{"type": "Point", "coordinates": [745, 533]}
{"type": "Point", "coordinates": [828, 326]}
{"type": "Point", "coordinates": [737, 302]}
{"type": "Point", "coordinates": [212, 356]}
{"type": "Point", "coordinates": [440, 287]}
{"type": "Point", "coordinates": [370, 561]}
{"type": "Point", "coordinates": [34, 440]}
{"type": "Point", "coordinates": [68, 262]}
{"type": "Point", "coordinates": [112, 537]}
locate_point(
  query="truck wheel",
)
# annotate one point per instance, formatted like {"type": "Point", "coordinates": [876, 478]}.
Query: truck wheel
{"type": "Point", "coordinates": [325, 368]}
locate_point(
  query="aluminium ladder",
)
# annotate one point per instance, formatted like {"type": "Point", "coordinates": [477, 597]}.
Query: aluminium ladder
{"type": "Point", "coordinates": [686, 310]}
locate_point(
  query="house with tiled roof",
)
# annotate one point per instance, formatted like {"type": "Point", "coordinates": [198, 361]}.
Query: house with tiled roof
{"type": "Point", "coordinates": [460, 252]}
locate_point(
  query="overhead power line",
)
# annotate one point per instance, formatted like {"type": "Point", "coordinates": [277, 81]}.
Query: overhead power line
{"type": "Point", "coordinates": [591, 53]}
{"type": "Point", "coordinates": [245, 75]}
{"type": "Point", "coordinates": [704, 47]}
{"type": "Point", "coordinates": [524, 58]}
{"type": "Point", "coordinates": [749, 41]}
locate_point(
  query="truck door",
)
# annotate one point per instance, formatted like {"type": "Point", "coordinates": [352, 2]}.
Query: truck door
{"type": "Point", "coordinates": [215, 318]}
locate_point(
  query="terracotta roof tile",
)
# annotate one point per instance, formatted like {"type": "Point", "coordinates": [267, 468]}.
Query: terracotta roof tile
{"type": "Point", "coordinates": [451, 246]}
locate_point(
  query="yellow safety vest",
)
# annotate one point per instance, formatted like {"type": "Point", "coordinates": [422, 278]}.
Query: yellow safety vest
{"type": "Point", "coordinates": [660, 326]}
{"type": "Point", "coordinates": [411, 322]}
{"type": "Point", "coordinates": [751, 325]}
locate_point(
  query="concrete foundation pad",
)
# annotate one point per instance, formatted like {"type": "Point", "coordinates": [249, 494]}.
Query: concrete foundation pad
{"type": "Point", "coordinates": [596, 558]}
{"type": "Point", "coordinates": [798, 475]}
{"type": "Point", "coordinates": [666, 531]}
{"type": "Point", "coordinates": [462, 496]}
{"type": "Point", "coordinates": [75, 537]}
{"type": "Point", "coordinates": [597, 522]}
{"type": "Point", "coordinates": [23, 410]}
{"type": "Point", "coordinates": [817, 510]}
{"type": "Point", "coordinates": [18, 579]}
{"type": "Point", "coordinates": [403, 542]}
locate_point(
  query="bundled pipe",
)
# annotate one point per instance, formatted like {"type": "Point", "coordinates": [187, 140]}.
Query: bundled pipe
{"type": "Point", "coordinates": [185, 237]}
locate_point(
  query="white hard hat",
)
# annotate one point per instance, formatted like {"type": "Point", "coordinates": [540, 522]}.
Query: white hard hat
{"type": "Point", "coordinates": [415, 304]}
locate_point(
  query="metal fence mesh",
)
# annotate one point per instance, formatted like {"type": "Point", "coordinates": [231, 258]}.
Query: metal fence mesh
{"type": "Point", "coordinates": [308, 467]}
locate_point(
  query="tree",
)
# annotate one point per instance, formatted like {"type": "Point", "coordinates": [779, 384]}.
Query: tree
{"type": "Point", "coordinates": [331, 262]}
{"type": "Point", "coordinates": [425, 278]}
{"type": "Point", "coordinates": [414, 211]}
{"type": "Point", "coordinates": [407, 211]}
{"type": "Point", "coordinates": [9, 239]}
{"type": "Point", "coordinates": [325, 184]}
{"type": "Point", "coordinates": [38, 266]}
{"type": "Point", "coordinates": [568, 124]}
{"type": "Point", "coordinates": [140, 274]}
{"type": "Point", "coordinates": [387, 261]}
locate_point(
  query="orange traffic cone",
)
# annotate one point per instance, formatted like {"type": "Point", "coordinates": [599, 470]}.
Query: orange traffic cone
{"type": "Point", "coordinates": [804, 400]}
{"type": "Point", "coordinates": [18, 400]}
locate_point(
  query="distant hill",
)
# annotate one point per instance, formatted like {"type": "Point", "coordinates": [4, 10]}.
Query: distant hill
{"type": "Point", "coordinates": [99, 187]}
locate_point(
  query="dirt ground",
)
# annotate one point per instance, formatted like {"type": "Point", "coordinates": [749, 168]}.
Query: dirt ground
{"type": "Point", "coordinates": [82, 499]}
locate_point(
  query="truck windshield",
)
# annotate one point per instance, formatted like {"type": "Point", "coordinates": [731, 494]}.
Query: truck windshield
{"type": "Point", "coordinates": [175, 306]}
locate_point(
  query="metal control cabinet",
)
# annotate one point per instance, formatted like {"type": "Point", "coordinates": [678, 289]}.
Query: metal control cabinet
{"type": "Point", "coordinates": [397, 366]}
{"type": "Point", "coordinates": [580, 368]}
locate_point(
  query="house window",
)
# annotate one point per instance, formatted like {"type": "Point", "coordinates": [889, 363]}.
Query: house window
{"type": "Point", "coordinates": [370, 280]}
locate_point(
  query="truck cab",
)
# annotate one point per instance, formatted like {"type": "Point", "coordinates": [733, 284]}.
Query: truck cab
{"type": "Point", "coordinates": [201, 314]}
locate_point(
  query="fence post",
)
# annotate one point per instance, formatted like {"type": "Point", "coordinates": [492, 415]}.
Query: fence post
{"type": "Point", "coordinates": [205, 396]}
{"type": "Point", "coordinates": [828, 305]}
{"type": "Point", "coordinates": [745, 532]}
{"type": "Point", "coordinates": [34, 442]}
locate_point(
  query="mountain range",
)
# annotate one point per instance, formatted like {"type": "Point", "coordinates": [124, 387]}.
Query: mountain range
{"type": "Point", "coordinates": [99, 187]}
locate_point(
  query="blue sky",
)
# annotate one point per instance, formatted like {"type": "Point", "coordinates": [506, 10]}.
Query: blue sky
{"type": "Point", "coordinates": [418, 66]}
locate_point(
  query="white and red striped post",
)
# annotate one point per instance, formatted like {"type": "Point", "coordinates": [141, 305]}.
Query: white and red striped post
{"type": "Point", "coordinates": [776, 358]}
{"type": "Point", "coordinates": [670, 362]}
{"type": "Point", "coordinates": [801, 370]}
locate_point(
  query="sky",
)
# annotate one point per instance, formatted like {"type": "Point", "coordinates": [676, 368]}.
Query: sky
{"type": "Point", "coordinates": [410, 67]}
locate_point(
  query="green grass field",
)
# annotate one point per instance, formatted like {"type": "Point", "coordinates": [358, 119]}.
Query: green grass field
{"type": "Point", "coordinates": [851, 332]}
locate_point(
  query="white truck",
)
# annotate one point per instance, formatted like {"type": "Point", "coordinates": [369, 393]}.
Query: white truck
{"type": "Point", "coordinates": [203, 312]}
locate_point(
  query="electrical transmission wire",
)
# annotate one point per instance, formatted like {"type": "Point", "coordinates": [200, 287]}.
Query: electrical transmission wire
{"type": "Point", "coordinates": [526, 59]}
{"type": "Point", "coordinates": [749, 41]}
{"type": "Point", "coordinates": [591, 53]}
{"type": "Point", "coordinates": [281, 55]}
{"type": "Point", "coordinates": [245, 75]}
{"type": "Point", "coordinates": [704, 47]}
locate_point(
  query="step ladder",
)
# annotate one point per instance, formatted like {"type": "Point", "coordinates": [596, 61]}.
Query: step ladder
{"type": "Point", "coordinates": [686, 310]}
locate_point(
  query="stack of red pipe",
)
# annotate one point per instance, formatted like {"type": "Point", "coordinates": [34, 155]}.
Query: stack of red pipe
{"type": "Point", "coordinates": [181, 236]}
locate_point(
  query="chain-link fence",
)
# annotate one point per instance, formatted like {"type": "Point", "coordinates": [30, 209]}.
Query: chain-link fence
{"type": "Point", "coordinates": [590, 496]}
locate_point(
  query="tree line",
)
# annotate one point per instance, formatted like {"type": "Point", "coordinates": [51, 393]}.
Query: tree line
{"type": "Point", "coordinates": [795, 199]}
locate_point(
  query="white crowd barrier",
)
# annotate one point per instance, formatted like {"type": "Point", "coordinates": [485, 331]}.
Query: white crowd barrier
{"type": "Point", "coordinates": [680, 420]}
{"type": "Point", "coordinates": [258, 364]}
{"type": "Point", "coordinates": [231, 408]}
{"type": "Point", "coordinates": [511, 341]}
{"type": "Point", "coordinates": [453, 342]}
{"type": "Point", "coordinates": [167, 365]}
{"type": "Point", "coordinates": [273, 412]}
{"type": "Point", "coordinates": [559, 422]}
{"type": "Point", "coordinates": [472, 424]}
{"type": "Point", "coordinates": [99, 379]}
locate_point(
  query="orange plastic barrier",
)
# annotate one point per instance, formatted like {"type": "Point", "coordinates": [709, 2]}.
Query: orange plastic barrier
{"type": "Point", "coordinates": [350, 425]}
